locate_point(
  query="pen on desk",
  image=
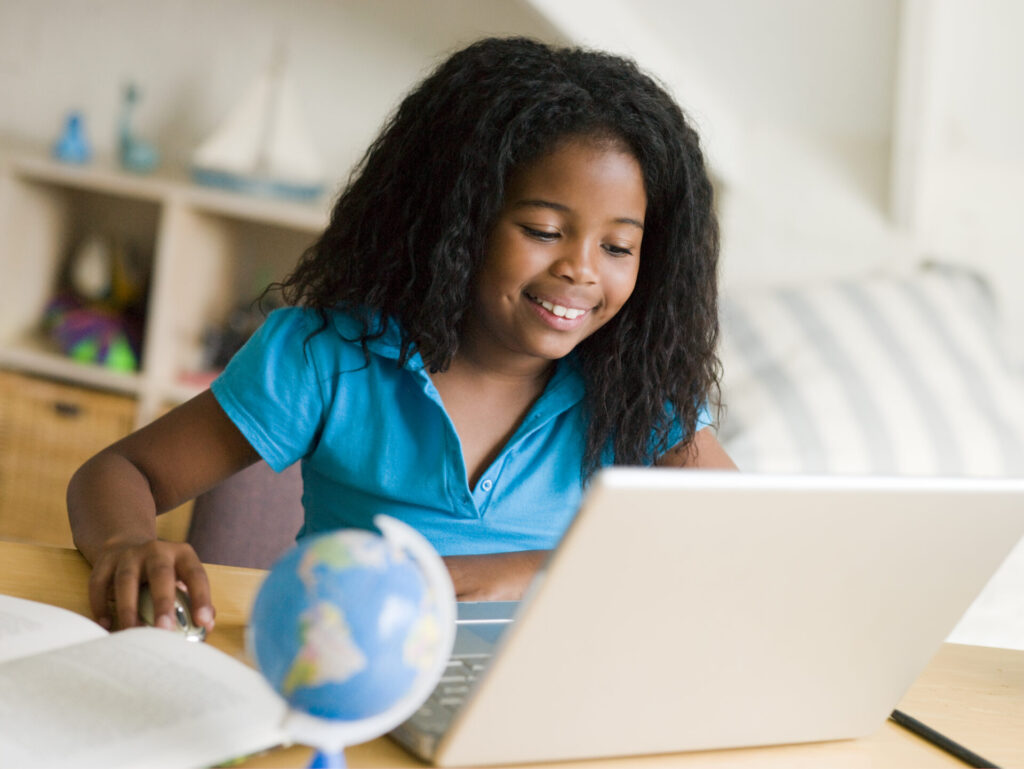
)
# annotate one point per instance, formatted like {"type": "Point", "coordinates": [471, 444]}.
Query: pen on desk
{"type": "Point", "coordinates": [940, 740]}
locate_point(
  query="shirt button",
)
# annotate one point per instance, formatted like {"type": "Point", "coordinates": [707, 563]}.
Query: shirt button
{"type": "Point", "coordinates": [486, 485]}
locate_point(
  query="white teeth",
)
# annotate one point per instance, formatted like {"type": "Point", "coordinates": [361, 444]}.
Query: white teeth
{"type": "Point", "coordinates": [560, 311]}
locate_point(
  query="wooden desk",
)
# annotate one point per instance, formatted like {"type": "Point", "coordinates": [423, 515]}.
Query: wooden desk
{"type": "Point", "coordinates": [972, 694]}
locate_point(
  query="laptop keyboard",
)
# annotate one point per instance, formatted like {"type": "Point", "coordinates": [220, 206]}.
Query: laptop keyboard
{"type": "Point", "coordinates": [436, 713]}
{"type": "Point", "coordinates": [478, 630]}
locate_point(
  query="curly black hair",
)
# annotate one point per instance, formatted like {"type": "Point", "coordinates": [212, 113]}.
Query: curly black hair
{"type": "Point", "coordinates": [408, 233]}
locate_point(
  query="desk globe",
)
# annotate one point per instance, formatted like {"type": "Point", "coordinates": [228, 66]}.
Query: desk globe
{"type": "Point", "coordinates": [353, 629]}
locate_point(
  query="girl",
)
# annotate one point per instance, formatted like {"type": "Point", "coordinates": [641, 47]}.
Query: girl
{"type": "Point", "coordinates": [517, 287]}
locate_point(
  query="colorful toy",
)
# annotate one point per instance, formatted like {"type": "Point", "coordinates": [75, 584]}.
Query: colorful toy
{"type": "Point", "coordinates": [97, 314]}
{"type": "Point", "coordinates": [93, 335]}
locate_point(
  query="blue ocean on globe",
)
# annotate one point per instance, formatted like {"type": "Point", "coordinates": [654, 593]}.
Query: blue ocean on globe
{"type": "Point", "coordinates": [343, 625]}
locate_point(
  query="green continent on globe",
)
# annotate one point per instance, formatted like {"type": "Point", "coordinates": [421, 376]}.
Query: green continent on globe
{"type": "Point", "coordinates": [327, 653]}
{"type": "Point", "coordinates": [337, 554]}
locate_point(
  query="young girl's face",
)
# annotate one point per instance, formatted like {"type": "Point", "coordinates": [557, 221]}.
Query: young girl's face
{"type": "Point", "coordinates": [563, 256]}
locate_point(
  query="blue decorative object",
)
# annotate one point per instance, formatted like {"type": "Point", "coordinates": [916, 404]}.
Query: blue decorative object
{"type": "Point", "coordinates": [135, 154]}
{"type": "Point", "coordinates": [73, 146]}
{"type": "Point", "coordinates": [354, 630]}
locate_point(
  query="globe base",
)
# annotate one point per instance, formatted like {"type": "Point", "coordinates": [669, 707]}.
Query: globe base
{"type": "Point", "coordinates": [328, 760]}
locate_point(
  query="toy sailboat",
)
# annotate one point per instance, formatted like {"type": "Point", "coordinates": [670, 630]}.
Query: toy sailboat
{"type": "Point", "coordinates": [262, 146]}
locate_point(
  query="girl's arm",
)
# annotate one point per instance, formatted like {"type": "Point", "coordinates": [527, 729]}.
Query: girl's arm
{"type": "Point", "coordinates": [114, 498]}
{"type": "Point", "coordinates": [505, 576]}
{"type": "Point", "coordinates": [705, 453]}
{"type": "Point", "coordinates": [495, 576]}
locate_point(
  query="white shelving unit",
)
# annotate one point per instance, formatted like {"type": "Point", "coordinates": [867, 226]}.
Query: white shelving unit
{"type": "Point", "coordinates": [207, 251]}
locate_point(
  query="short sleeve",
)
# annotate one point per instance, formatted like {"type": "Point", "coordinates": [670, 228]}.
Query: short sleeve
{"type": "Point", "coordinates": [271, 389]}
{"type": "Point", "coordinates": [676, 434]}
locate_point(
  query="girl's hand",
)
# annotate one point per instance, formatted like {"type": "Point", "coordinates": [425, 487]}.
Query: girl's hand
{"type": "Point", "coordinates": [122, 567]}
{"type": "Point", "coordinates": [494, 577]}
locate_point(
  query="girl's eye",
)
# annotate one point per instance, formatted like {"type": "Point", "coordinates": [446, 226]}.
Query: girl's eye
{"type": "Point", "coordinates": [542, 235]}
{"type": "Point", "coordinates": [617, 250]}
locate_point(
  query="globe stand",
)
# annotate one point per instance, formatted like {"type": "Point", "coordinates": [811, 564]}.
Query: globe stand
{"type": "Point", "coordinates": [329, 737]}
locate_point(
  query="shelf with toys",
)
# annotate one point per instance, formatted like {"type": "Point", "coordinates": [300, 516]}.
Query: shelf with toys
{"type": "Point", "coordinates": [135, 284]}
{"type": "Point", "coordinates": [127, 286]}
{"type": "Point", "coordinates": [121, 294]}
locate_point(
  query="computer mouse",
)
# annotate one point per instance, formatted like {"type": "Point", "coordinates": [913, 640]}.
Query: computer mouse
{"type": "Point", "coordinates": [182, 613]}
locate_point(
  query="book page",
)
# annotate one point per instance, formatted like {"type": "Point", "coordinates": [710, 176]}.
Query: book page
{"type": "Point", "coordinates": [136, 698]}
{"type": "Point", "coordinates": [29, 627]}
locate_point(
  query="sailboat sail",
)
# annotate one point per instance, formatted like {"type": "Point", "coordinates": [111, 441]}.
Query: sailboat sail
{"type": "Point", "coordinates": [235, 145]}
{"type": "Point", "coordinates": [262, 146]}
{"type": "Point", "coordinates": [289, 151]}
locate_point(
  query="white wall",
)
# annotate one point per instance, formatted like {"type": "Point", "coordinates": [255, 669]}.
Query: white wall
{"type": "Point", "coordinates": [812, 85]}
{"type": "Point", "coordinates": [826, 67]}
{"type": "Point", "coordinates": [794, 101]}
{"type": "Point", "coordinates": [971, 173]}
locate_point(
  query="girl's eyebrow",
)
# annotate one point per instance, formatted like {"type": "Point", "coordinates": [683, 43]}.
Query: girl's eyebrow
{"type": "Point", "coordinates": [537, 203]}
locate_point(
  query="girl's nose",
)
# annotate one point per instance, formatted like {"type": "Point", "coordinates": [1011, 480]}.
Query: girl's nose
{"type": "Point", "coordinates": [576, 262]}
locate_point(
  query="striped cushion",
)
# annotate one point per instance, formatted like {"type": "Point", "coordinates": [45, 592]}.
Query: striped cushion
{"type": "Point", "coordinates": [879, 376]}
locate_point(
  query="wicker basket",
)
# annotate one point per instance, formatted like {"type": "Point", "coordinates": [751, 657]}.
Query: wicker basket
{"type": "Point", "coordinates": [46, 431]}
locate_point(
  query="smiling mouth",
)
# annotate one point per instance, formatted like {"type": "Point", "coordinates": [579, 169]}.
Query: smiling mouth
{"type": "Point", "coordinates": [569, 313]}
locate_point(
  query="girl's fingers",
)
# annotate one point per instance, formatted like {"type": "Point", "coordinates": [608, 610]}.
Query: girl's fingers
{"type": "Point", "coordinates": [126, 592]}
{"type": "Point", "coordinates": [99, 594]}
{"type": "Point", "coordinates": [162, 587]}
{"type": "Point", "coordinates": [160, 565]}
{"type": "Point", "coordinates": [192, 573]}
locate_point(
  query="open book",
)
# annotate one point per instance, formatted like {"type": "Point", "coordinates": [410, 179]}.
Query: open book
{"type": "Point", "coordinates": [72, 694]}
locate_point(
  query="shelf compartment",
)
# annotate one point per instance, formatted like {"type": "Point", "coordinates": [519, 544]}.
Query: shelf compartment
{"type": "Point", "coordinates": [225, 263]}
{"type": "Point", "coordinates": [47, 221]}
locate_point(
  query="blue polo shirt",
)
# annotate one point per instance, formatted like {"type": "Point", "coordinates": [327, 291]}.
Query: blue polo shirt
{"type": "Point", "coordinates": [375, 438]}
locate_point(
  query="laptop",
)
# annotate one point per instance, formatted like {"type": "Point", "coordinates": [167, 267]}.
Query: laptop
{"type": "Point", "coordinates": [687, 610]}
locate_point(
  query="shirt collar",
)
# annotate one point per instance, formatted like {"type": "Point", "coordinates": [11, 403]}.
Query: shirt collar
{"type": "Point", "coordinates": [565, 389]}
